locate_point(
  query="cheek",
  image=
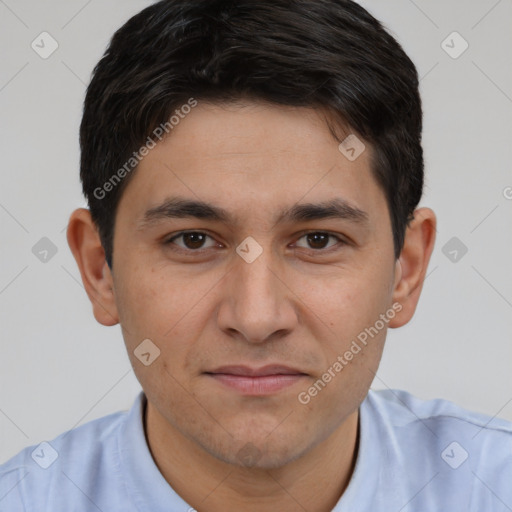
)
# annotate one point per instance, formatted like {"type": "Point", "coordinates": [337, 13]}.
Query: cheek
{"type": "Point", "coordinates": [356, 315]}
{"type": "Point", "coordinates": [153, 302]}
{"type": "Point", "coordinates": [344, 381]}
{"type": "Point", "coordinates": [346, 303]}
{"type": "Point", "coordinates": [169, 310]}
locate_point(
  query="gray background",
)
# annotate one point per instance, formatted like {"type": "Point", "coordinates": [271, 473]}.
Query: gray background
{"type": "Point", "coordinates": [59, 368]}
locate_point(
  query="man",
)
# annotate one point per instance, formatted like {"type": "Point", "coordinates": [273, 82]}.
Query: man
{"type": "Point", "coordinates": [253, 171]}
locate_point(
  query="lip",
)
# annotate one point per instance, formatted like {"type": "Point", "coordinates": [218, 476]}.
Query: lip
{"type": "Point", "coordinates": [247, 371]}
{"type": "Point", "coordinates": [256, 381]}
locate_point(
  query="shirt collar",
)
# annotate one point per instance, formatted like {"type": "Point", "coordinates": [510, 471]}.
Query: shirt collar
{"type": "Point", "coordinates": [144, 483]}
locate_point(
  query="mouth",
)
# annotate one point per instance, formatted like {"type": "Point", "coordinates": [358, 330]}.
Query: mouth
{"type": "Point", "coordinates": [256, 381]}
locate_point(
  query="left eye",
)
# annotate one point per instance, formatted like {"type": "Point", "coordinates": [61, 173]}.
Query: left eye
{"type": "Point", "coordinates": [318, 240]}
{"type": "Point", "coordinates": [192, 240]}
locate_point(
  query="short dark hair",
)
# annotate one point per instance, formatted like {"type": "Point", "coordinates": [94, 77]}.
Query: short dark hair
{"type": "Point", "coordinates": [326, 54]}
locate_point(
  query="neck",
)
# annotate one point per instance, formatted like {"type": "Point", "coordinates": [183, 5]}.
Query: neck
{"type": "Point", "coordinates": [313, 482]}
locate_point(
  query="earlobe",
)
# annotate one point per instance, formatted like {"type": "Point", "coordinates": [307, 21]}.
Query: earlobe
{"type": "Point", "coordinates": [85, 244]}
{"type": "Point", "coordinates": [412, 264]}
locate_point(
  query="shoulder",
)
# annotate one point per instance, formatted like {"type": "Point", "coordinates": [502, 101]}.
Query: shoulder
{"type": "Point", "coordinates": [41, 471]}
{"type": "Point", "coordinates": [400, 408]}
{"type": "Point", "coordinates": [70, 445]}
{"type": "Point", "coordinates": [440, 442]}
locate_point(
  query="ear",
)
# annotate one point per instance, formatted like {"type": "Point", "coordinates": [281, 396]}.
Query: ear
{"type": "Point", "coordinates": [85, 244]}
{"type": "Point", "coordinates": [411, 267]}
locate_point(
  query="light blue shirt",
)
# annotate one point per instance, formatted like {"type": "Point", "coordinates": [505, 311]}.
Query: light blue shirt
{"type": "Point", "coordinates": [414, 455]}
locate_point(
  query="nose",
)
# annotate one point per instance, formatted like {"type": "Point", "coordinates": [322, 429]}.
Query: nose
{"type": "Point", "coordinates": [257, 303]}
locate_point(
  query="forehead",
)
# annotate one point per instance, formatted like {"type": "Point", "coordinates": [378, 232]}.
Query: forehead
{"type": "Point", "coordinates": [253, 157]}
{"type": "Point", "coordinates": [251, 129]}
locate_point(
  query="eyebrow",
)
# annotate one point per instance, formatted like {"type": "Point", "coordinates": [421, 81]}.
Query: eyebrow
{"type": "Point", "coordinates": [177, 207]}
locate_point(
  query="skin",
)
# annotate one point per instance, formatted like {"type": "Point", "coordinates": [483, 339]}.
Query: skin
{"type": "Point", "coordinates": [300, 303]}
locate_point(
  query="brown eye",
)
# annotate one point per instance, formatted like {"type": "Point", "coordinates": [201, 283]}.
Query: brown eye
{"type": "Point", "coordinates": [192, 240]}
{"type": "Point", "coordinates": [318, 240]}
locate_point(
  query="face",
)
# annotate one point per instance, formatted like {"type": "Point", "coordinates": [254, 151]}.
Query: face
{"type": "Point", "coordinates": [254, 303]}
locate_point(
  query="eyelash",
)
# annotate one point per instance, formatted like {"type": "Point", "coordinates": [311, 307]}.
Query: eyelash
{"type": "Point", "coordinates": [170, 242]}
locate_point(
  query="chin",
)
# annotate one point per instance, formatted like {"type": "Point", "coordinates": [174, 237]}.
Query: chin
{"type": "Point", "coordinates": [258, 452]}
